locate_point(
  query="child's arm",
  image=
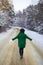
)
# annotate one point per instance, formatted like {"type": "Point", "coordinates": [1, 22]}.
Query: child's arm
{"type": "Point", "coordinates": [28, 38]}
{"type": "Point", "coordinates": [14, 38]}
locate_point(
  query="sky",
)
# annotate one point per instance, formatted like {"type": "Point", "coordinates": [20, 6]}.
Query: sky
{"type": "Point", "coordinates": [22, 4]}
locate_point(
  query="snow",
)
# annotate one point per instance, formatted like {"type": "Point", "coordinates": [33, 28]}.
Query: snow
{"type": "Point", "coordinates": [37, 39]}
{"type": "Point", "coordinates": [4, 34]}
{"type": "Point", "coordinates": [41, 1]}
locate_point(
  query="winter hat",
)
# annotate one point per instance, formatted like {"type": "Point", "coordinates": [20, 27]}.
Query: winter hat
{"type": "Point", "coordinates": [22, 30]}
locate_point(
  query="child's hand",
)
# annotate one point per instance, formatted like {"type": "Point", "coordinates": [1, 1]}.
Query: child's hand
{"type": "Point", "coordinates": [11, 41]}
{"type": "Point", "coordinates": [33, 41]}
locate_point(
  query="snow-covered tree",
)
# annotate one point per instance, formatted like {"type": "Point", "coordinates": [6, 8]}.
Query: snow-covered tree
{"type": "Point", "coordinates": [41, 1]}
{"type": "Point", "coordinates": [6, 12]}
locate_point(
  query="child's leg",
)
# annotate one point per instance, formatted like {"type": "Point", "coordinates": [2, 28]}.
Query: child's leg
{"type": "Point", "coordinates": [21, 51]}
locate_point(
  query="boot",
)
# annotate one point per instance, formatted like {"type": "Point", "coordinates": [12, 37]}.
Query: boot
{"type": "Point", "coordinates": [21, 57]}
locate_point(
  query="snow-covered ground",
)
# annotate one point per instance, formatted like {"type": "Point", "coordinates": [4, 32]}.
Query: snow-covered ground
{"type": "Point", "coordinates": [36, 38]}
{"type": "Point", "coordinates": [37, 42]}
{"type": "Point", "coordinates": [4, 34]}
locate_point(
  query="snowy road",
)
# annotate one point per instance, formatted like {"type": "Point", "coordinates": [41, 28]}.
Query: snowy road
{"type": "Point", "coordinates": [9, 52]}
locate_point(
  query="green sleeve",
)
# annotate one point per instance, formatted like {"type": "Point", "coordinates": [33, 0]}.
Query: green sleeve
{"type": "Point", "coordinates": [15, 37]}
{"type": "Point", "coordinates": [28, 38]}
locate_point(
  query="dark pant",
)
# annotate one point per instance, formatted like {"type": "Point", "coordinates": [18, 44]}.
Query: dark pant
{"type": "Point", "coordinates": [21, 51]}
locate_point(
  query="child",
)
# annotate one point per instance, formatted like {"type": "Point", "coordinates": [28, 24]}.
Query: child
{"type": "Point", "coordinates": [21, 41]}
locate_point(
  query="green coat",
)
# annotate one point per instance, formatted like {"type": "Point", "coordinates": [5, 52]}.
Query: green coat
{"type": "Point", "coordinates": [22, 39]}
